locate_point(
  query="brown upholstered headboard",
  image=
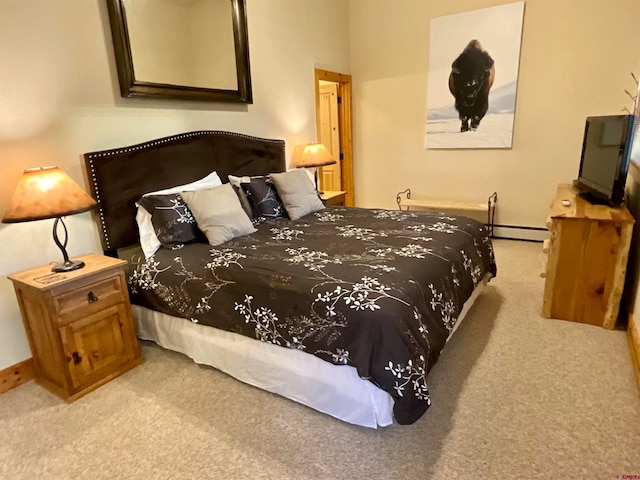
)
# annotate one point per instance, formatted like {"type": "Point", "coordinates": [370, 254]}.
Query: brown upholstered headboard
{"type": "Point", "coordinates": [119, 177]}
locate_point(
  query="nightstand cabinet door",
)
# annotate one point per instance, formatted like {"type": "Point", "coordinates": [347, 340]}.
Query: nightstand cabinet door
{"type": "Point", "coordinates": [96, 345]}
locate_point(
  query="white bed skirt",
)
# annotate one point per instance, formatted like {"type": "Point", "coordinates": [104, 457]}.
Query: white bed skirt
{"type": "Point", "coordinates": [336, 390]}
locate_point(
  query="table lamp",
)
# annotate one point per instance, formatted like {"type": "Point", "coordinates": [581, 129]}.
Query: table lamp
{"type": "Point", "coordinates": [48, 192]}
{"type": "Point", "coordinates": [315, 155]}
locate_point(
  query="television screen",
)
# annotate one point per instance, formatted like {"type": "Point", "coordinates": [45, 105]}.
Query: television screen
{"type": "Point", "coordinates": [606, 151]}
{"type": "Point", "coordinates": [635, 144]}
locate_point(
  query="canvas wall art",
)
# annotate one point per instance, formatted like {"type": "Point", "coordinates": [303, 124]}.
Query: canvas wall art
{"type": "Point", "coordinates": [472, 78]}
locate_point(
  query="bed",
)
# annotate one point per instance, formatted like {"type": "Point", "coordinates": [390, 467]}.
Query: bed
{"type": "Point", "coordinates": [344, 310]}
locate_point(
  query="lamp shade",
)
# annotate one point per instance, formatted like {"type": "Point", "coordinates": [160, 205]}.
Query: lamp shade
{"type": "Point", "coordinates": [315, 155]}
{"type": "Point", "coordinates": [46, 192]}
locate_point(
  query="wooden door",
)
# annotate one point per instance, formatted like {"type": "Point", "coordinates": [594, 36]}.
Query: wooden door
{"type": "Point", "coordinates": [95, 345]}
{"type": "Point", "coordinates": [343, 82]}
{"type": "Point", "coordinates": [330, 177]}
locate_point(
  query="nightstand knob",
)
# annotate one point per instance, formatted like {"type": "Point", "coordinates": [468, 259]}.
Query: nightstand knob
{"type": "Point", "coordinates": [76, 358]}
{"type": "Point", "coordinates": [91, 298]}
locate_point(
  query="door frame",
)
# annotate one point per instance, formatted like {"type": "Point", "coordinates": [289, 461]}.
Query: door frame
{"type": "Point", "coordinates": [345, 126]}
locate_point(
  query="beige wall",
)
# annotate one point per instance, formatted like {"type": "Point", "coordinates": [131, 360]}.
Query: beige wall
{"type": "Point", "coordinates": [576, 59]}
{"type": "Point", "coordinates": [59, 98]}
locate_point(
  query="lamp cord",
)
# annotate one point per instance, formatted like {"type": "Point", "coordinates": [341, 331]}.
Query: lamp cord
{"type": "Point", "coordinates": [61, 246]}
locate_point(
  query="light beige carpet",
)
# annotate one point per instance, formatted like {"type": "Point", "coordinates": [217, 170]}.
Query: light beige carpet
{"type": "Point", "coordinates": [514, 396]}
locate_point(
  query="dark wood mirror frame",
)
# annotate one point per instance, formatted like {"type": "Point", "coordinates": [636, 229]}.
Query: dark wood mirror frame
{"type": "Point", "coordinates": [130, 87]}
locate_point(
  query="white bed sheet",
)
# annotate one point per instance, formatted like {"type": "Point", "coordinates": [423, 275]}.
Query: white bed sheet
{"type": "Point", "coordinates": [336, 390]}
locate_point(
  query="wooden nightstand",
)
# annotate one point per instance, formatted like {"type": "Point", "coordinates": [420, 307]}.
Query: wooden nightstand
{"type": "Point", "coordinates": [79, 325]}
{"type": "Point", "coordinates": [333, 197]}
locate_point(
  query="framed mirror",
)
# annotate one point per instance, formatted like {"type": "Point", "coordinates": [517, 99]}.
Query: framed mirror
{"type": "Point", "coordinates": [182, 49]}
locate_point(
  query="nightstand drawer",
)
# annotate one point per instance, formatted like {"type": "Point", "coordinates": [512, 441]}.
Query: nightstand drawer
{"type": "Point", "coordinates": [88, 299]}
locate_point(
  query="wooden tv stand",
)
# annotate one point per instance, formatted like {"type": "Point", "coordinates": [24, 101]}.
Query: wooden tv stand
{"type": "Point", "coordinates": [587, 259]}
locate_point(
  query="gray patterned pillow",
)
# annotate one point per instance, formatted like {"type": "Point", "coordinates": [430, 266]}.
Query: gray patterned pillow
{"type": "Point", "coordinates": [172, 220]}
{"type": "Point", "coordinates": [297, 192]}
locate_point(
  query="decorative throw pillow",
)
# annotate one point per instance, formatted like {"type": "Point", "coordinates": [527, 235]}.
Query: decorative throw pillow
{"type": "Point", "coordinates": [172, 221]}
{"type": "Point", "coordinates": [264, 198]}
{"type": "Point", "coordinates": [240, 185]}
{"type": "Point", "coordinates": [218, 213]}
{"type": "Point", "coordinates": [297, 192]}
{"type": "Point", "coordinates": [148, 239]}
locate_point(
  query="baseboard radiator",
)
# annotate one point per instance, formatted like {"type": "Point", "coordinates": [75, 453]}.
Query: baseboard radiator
{"type": "Point", "coordinates": [520, 232]}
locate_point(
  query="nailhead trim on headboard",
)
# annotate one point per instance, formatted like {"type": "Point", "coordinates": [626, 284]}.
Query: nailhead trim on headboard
{"type": "Point", "coordinates": [160, 141]}
{"type": "Point", "coordinates": [97, 193]}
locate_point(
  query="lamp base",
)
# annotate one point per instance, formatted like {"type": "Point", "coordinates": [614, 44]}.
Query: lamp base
{"type": "Point", "coordinates": [315, 178]}
{"type": "Point", "coordinates": [67, 266]}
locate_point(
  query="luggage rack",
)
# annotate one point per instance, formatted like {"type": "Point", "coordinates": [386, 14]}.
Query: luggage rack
{"type": "Point", "coordinates": [405, 202]}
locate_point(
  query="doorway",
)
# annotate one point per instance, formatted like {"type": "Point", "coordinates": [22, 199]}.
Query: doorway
{"type": "Point", "coordinates": [334, 130]}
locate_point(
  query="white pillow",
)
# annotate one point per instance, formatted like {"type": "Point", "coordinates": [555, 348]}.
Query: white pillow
{"type": "Point", "coordinates": [148, 239]}
{"type": "Point", "coordinates": [236, 181]}
{"type": "Point", "coordinates": [211, 180]}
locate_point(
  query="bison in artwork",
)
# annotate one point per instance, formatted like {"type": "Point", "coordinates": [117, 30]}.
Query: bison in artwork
{"type": "Point", "coordinates": [470, 80]}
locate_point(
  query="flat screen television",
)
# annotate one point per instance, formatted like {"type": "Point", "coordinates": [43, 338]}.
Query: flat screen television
{"type": "Point", "coordinates": [604, 163]}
